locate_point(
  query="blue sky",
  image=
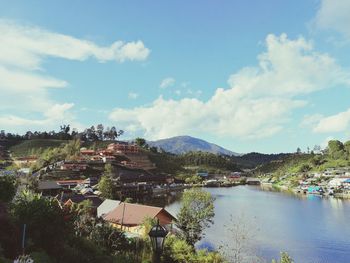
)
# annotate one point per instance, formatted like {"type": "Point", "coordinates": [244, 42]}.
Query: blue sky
{"type": "Point", "coordinates": [266, 76]}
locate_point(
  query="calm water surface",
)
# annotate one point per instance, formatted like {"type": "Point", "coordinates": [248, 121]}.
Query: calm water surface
{"type": "Point", "coordinates": [311, 229]}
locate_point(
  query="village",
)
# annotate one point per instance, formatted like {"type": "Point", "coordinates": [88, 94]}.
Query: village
{"type": "Point", "coordinates": [331, 182]}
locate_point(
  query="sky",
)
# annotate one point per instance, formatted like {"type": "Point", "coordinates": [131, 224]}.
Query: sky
{"type": "Point", "coordinates": [249, 75]}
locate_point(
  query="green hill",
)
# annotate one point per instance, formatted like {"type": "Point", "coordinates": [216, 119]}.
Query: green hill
{"type": "Point", "coordinates": [34, 147]}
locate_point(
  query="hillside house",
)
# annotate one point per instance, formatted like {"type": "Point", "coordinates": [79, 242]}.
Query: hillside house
{"type": "Point", "coordinates": [87, 152]}
{"type": "Point", "coordinates": [25, 161]}
{"type": "Point", "coordinates": [69, 184]}
{"type": "Point", "coordinates": [130, 217]}
{"type": "Point", "coordinates": [123, 148]}
{"type": "Point", "coordinates": [49, 188]}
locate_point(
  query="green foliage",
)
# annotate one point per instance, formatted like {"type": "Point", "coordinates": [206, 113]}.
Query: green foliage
{"type": "Point", "coordinates": [207, 159]}
{"type": "Point", "coordinates": [108, 169]}
{"type": "Point", "coordinates": [196, 213]}
{"type": "Point", "coordinates": [72, 149]}
{"type": "Point", "coordinates": [195, 179]}
{"type": "Point", "coordinates": [285, 258]}
{"type": "Point", "coordinates": [47, 226]}
{"type": "Point", "coordinates": [140, 142]}
{"type": "Point", "coordinates": [107, 187]}
{"type": "Point", "coordinates": [111, 239]}
{"type": "Point", "coordinates": [8, 188]}
{"type": "Point", "coordinates": [336, 149]}
{"type": "Point", "coordinates": [148, 223]}
{"type": "Point", "coordinates": [176, 250]}
{"type": "Point", "coordinates": [34, 147]}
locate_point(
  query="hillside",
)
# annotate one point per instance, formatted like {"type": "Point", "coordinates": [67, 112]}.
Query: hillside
{"type": "Point", "coordinates": [185, 144]}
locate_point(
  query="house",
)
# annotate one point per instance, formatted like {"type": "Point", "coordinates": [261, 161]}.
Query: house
{"type": "Point", "coordinates": [84, 151]}
{"type": "Point", "coordinates": [336, 182]}
{"type": "Point", "coordinates": [107, 206]}
{"type": "Point", "coordinates": [123, 148]}
{"type": "Point", "coordinates": [253, 181]}
{"type": "Point", "coordinates": [27, 161]}
{"type": "Point", "coordinates": [130, 217]}
{"type": "Point", "coordinates": [69, 200]}
{"type": "Point", "coordinates": [91, 181]}
{"type": "Point", "coordinates": [74, 166]}
{"type": "Point", "coordinates": [69, 184]}
{"type": "Point", "coordinates": [49, 188]}
{"type": "Point", "coordinates": [203, 174]}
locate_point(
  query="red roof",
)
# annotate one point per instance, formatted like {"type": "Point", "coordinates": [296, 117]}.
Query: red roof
{"type": "Point", "coordinates": [135, 214]}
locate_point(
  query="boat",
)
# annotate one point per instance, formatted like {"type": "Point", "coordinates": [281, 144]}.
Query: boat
{"type": "Point", "coordinates": [315, 190]}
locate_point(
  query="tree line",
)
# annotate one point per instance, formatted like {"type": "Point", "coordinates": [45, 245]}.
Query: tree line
{"type": "Point", "coordinates": [94, 133]}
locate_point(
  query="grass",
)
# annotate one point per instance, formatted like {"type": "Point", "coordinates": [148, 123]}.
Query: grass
{"type": "Point", "coordinates": [34, 147]}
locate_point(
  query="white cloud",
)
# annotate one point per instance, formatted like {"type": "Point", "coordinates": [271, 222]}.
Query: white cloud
{"type": "Point", "coordinates": [334, 15]}
{"type": "Point", "coordinates": [133, 95]}
{"type": "Point", "coordinates": [55, 115]}
{"type": "Point", "coordinates": [27, 46]}
{"type": "Point", "coordinates": [24, 84]}
{"type": "Point", "coordinates": [257, 104]}
{"type": "Point", "coordinates": [167, 82]}
{"type": "Point", "coordinates": [311, 120]}
{"type": "Point", "coordinates": [336, 123]}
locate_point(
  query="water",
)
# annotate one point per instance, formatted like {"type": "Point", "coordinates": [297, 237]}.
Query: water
{"type": "Point", "coordinates": [311, 229]}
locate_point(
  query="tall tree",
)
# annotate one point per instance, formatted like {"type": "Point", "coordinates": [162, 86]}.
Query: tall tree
{"type": "Point", "coordinates": [107, 187]}
{"type": "Point", "coordinates": [196, 213]}
{"type": "Point", "coordinates": [99, 132]}
{"type": "Point", "coordinates": [8, 187]}
{"type": "Point", "coordinates": [336, 149]}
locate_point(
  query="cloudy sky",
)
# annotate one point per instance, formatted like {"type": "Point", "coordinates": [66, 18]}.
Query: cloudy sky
{"type": "Point", "coordinates": [249, 75]}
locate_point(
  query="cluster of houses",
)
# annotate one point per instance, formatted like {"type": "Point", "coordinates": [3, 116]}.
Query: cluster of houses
{"type": "Point", "coordinates": [126, 216]}
{"type": "Point", "coordinates": [332, 181]}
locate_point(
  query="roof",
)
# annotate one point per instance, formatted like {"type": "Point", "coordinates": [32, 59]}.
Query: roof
{"type": "Point", "coordinates": [96, 201]}
{"type": "Point", "coordinates": [47, 185]}
{"type": "Point", "coordinates": [135, 214]}
{"type": "Point", "coordinates": [69, 182]}
{"type": "Point", "coordinates": [107, 206]}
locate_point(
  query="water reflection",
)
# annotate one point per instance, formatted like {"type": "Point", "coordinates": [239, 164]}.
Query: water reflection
{"type": "Point", "coordinates": [311, 228]}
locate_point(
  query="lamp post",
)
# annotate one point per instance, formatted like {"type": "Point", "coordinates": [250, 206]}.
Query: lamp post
{"type": "Point", "coordinates": [157, 236]}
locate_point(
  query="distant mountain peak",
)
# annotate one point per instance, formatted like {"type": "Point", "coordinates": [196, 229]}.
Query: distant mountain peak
{"type": "Point", "coordinates": [185, 143]}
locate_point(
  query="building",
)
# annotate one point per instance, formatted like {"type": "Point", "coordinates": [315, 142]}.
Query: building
{"type": "Point", "coordinates": [49, 188]}
{"type": "Point", "coordinates": [84, 151]}
{"type": "Point", "coordinates": [130, 217]}
{"type": "Point", "coordinates": [107, 206]}
{"type": "Point", "coordinates": [69, 200]}
{"type": "Point", "coordinates": [123, 148]}
{"type": "Point", "coordinates": [25, 161]}
{"type": "Point", "coordinates": [69, 184]}
{"type": "Point", "coordinates": [78, 167]}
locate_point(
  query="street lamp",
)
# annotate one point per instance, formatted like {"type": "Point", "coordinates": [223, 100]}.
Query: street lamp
{"type": "Point", "coordinates": [157, 235]}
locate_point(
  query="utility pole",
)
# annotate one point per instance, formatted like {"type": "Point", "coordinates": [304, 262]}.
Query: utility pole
{"type": "Point", "coordinates": [24, 238]}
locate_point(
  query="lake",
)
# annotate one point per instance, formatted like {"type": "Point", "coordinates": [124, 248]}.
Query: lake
{"type": "Point", "coordinates": [311, 229]}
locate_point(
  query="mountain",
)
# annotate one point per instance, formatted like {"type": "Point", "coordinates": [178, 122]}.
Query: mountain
{"type": "Point", "coordinates": [184, 144]}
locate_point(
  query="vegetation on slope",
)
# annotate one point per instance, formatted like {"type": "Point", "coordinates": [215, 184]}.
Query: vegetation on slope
{"type": "Point", "coordinates": [337, 154]}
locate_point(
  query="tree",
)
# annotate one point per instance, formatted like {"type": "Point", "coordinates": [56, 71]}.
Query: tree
{"type": "Point", "coordinates": [347, 149]}
{"type": "Point", "coordinates": [241, 232]}
{"type": "Point", "coordinates": [140, 142]}
{"type": "Point", "coordinates": [108, 169]}
{"type": "Point", "coordinates": [47, 224]}
{"type": "Point", "coordinates": [285, 258]}
{"type": "Point", "coordinates": [107, 187]}
{"type": "Point", "coordinates": [99, 132]}
{"type": "Point", "coordinates": [196, 213]}
{"type": "Point", "coordinates": [336, 149]}
{"type": "Point", "coordinates": [8, 188]}
{"type": "Point", "coordinates": [109, 238]}
{"type": "Point", "coordinates": [298, 150]}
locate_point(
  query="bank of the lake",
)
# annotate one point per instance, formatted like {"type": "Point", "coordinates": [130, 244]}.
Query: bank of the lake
{"type": "Point", "coordinates": [311, 229]}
